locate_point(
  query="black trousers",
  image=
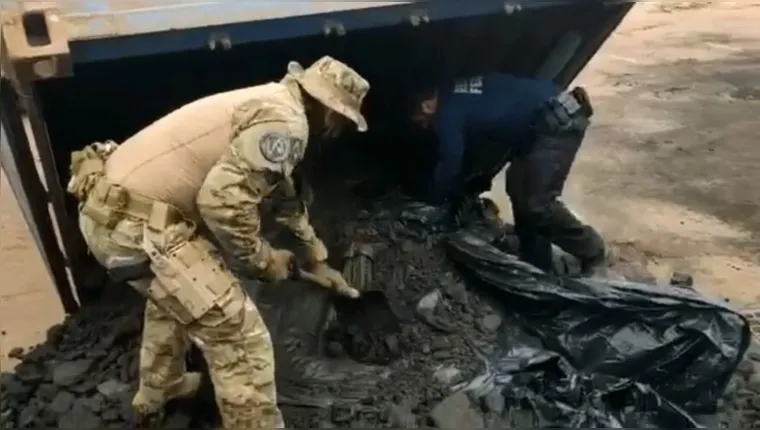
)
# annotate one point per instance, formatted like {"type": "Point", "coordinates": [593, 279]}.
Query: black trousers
{"type": "Point", "coordinates": [535, 181]}
{"type": "Point", "coordinates": [536, 177]}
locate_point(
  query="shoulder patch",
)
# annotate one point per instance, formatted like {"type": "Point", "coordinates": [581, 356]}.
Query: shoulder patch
{"type": "Point", "coordinates": [297, 150]}
{"type": "Point", "coordinates": [276, 147]}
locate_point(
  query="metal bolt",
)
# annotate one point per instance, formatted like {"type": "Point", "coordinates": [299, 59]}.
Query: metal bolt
{"type": "Point", "coordinates": [45, 68]}
{"type": "Point", "coordinates": [511, 8]}
{"type": "Point", "coordinates": [331, 26]}
{"type": "Point", "coordinates": [419, 17]}
{"type": "Point", "coordinates": [226, 43]}
{"type": "Point", "coordinates": [220, 38]}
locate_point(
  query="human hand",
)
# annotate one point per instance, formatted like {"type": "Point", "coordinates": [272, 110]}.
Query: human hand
{"type": "Point", "coordinates": [332, 279]}
{"type": "Point", "coordinates": [280, 265]}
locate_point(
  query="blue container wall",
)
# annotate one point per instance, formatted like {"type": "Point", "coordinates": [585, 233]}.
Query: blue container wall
{"type": "Point", "coordinates": [114, 99]}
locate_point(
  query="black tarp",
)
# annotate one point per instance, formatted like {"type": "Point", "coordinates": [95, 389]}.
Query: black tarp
{"type": "Point", "coordinates": [601, 353]}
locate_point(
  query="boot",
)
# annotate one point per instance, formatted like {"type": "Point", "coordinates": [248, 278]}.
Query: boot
{"type": "Point", "coordinates": [595, 270]}
{"type": "Point", "coordinates": [597, 267]}
{"type": "Point", "coordinates": [148, 403]}
{"type": "Point", "coordinates": [187, 388]}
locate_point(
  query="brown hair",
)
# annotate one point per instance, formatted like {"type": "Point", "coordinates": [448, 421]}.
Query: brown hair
{"type": "Point", "coordinates": [419, 96]}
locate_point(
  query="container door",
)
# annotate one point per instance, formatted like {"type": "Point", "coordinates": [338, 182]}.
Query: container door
{"type": "Point", "coordinates": [19, 170]}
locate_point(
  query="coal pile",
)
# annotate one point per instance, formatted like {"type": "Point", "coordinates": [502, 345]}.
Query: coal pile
{"type": "Point", "coordinates": [85, 374]}
{"type": "Point", "coordinates": [397, 360]}
{"type": "Point", "coordinates": [82, 376]}
{"type": "Point", "coordinates": [436, 341]}
{"type": "Point", "coordinates": [740, 407]}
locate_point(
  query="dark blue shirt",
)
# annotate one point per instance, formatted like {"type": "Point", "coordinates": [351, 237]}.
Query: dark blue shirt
{"type": "Point", "coordinates": [495, 106]}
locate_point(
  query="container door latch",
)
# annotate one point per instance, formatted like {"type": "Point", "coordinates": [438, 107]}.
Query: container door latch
{"type": "Point", "coordinates": [419, 17]}
{"type": "Point", "coordinates": [37, 45]}
{"type": "Point", "coordinates": [333, 28]}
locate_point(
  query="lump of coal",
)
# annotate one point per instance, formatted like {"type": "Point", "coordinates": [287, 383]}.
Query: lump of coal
{"type": "Point", "coordinates": [56, 384]}
{"type": "Point", "coordinates": [16, 352]}
{"type": "Point", "coordinates": [401, 416]}
{"type": "Point", "coordinates": [494, 402]}
{"type": "Point", "coordinates": [740, 404]}
{"type": "Point", "coordinates": [490, 323]}
{"type": "Point", "coordinates": [447, 375]}
{"type": "Point", "coordinates": [679, 279]}
{"type": "Point", "coordinates": [61, 403]}
{"type": "Point", "coordinates": [456, 412]}
{"type": "Point", "coordinates": [70, 372]}
{"type": "Point", "coordinates": [80, 417]}
{"type": "Point", "coordinates": [112, 388]}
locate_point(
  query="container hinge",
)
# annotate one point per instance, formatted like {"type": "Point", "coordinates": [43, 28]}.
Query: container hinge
{"type": "Point", "coordinates": [219, 39]}
{"type": "Point", "coordinates": [510, 8]}
{"type": "Point", "coordinates": [334, 27]}
{"type": "Point", "coordinates": [37, 44]}
{"type": "Point", "coordinates": [419, 17]}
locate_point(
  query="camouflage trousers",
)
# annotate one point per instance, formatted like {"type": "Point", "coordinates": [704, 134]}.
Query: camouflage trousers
{"type": "Point", "coordinates": [237, 347]}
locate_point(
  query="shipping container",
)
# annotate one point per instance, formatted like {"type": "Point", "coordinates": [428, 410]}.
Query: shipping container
{"type": "Point", "coordinates": [75, 72]}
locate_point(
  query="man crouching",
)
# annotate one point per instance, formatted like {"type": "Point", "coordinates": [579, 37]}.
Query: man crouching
{"type": "Point", "coordinates": [212, 162]}
{"type": "Point", "coordinates": [486, 122]}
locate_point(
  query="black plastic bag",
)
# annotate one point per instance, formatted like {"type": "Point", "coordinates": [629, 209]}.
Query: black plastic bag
{"type": "Point", "coordinates": [418, 220]}
{"type": "Point", "coordinates": [411, 219]}
{"type": "Point", "coordinates": [610, 354]}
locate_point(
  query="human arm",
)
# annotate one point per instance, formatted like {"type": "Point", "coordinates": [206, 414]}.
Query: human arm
{"type": "Point", "coordinates": [229, 200]}
{"type": "Point", "coordinates": [291, 211]}
{"type": "Point", "coordinates": [449, 127]}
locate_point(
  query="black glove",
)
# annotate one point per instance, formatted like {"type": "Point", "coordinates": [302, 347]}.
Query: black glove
{"type": "Point", "coordinates": [468, 209]}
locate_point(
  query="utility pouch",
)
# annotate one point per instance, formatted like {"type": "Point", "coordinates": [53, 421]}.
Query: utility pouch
{"type": "Point", "coordinates": [566, 112]}
{"type": "Point", "coordinates": [86, 169]}
{"type": "Point", "coordinates": [106, 203]}
{"type": "Point", "coordinates": [191, 280]}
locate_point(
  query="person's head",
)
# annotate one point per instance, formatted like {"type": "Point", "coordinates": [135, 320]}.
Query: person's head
{"type": "Point", "coordinates": [424, 107]}
{"type": "Point", "coordinates": [339, 92]}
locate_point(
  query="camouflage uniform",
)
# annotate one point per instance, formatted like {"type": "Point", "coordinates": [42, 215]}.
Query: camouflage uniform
{"type": "Point", "coordinates": [210, 162]}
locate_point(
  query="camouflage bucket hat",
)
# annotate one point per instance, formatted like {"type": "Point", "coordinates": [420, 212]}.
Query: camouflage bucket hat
{"type": "Point", "coordinates": [335, 85]}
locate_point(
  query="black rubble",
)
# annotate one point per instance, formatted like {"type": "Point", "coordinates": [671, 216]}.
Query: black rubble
{"type": "Point", "coordinates": [85, 374]}
{"type": "Point", "coordinates": [441, 335]}
{"type": "Point", "coordinates": [82, 376]}
{"type": "Point", "coordinates": [400, 367]}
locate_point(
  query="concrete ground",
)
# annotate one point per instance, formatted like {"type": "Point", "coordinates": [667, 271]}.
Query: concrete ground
{"type": "Point", "coordinates": [668, 172]}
